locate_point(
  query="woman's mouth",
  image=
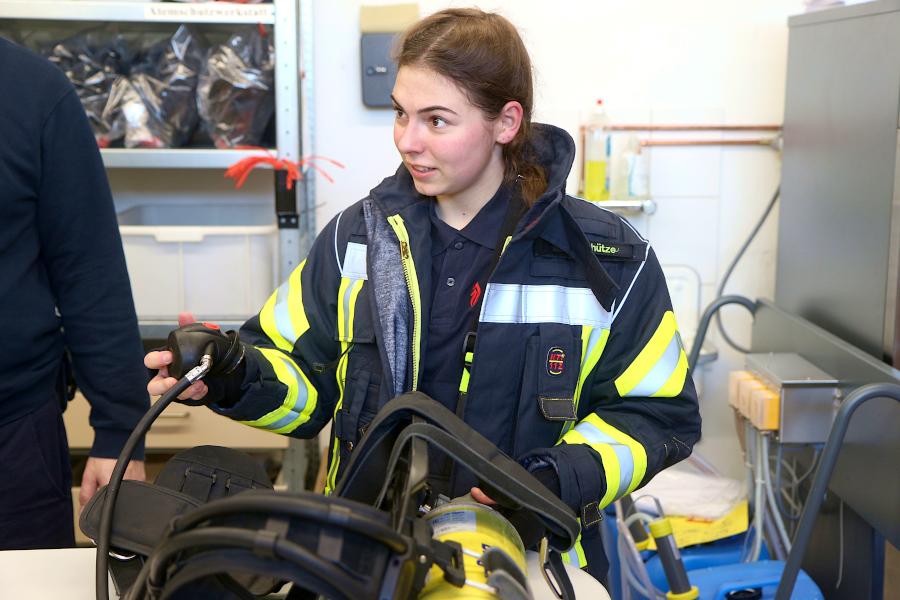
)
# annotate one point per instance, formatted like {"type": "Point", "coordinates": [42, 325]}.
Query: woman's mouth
{"type": "Point", "coordinates": [418, 171]}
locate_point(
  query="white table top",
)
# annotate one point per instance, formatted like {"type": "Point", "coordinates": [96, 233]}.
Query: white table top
{"type": "Point", "coordinates": [49, 574]}
{"type": "Point", "coordinates": [69, 573]}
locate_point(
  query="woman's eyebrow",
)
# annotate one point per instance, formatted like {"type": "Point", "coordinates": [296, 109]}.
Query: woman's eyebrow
{"type": "Point", "coordinates": [427, 108]}
{"type": "Point", "coordinates": [436, 107]}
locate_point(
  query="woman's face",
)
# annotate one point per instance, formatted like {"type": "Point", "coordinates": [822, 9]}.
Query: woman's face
{"type": "Point", "coordinates": [451, 150]}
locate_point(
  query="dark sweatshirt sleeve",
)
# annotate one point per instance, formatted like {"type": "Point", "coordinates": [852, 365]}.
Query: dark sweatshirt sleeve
{"type": "Point", "coordinates": [82, 252]}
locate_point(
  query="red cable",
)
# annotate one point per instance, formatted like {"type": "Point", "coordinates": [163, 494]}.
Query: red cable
{"type": "Point", "coordinates": [240, 170]}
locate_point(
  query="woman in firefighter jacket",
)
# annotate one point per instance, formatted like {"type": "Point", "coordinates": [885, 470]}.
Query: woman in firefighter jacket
{"type": "Point", "coordinates": [574, 365]}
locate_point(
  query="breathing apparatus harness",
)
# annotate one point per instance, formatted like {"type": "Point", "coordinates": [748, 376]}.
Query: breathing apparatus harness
{"type": "Point", "coordinates": [212, 522]}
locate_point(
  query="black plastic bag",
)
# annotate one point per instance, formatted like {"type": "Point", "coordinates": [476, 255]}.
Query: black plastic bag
{"type": "Point", "coordinates": [93, 60]}
{"type": "Point", "coordinates": [236, 97]}
{"type": "Point", "coordinates": [155, 101]}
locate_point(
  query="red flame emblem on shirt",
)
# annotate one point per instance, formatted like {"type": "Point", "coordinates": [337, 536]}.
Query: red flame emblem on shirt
{"type": "Point", "coordinates": [556, 361]}
{"type": "Point", "coordinates": [474, 295]}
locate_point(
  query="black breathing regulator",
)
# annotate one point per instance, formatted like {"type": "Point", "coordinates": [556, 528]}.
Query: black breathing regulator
{"type": "Point", "coordinates": [190, 343]}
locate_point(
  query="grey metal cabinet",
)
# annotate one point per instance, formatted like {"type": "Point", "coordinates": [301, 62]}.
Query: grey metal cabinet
{"type": "Point", "coordinates": [839, 254]}
{"type": "Point", "coordinates": [838, 229]}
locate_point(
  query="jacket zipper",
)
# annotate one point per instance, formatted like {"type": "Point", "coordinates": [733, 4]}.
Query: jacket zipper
{"type": "Point", "coordinates": [412, 285]}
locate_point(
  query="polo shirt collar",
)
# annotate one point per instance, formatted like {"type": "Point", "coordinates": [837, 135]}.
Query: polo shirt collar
{"type": "Point", "coordinates": [483, 229]}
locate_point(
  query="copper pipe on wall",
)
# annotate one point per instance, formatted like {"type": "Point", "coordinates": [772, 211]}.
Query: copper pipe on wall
{"type": "Point", "coordinates": [639, 127]}
{"type": "Point", "coordinates": [771, 142]}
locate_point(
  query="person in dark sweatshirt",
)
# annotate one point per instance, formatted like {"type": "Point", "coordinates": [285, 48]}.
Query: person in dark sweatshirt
{"type": "Point", "coordinates": [63, 288]}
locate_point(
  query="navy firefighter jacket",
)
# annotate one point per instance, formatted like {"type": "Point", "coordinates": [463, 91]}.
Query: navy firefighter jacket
{"type": "Point", "coordinates": [578, 364]}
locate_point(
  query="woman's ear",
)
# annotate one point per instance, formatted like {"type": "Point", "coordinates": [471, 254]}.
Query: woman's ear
{"type": "Point", "coordinates": [508, 122]}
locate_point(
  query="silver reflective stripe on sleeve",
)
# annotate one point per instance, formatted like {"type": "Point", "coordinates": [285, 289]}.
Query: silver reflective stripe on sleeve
{"type": "Point", "coordinates": [516, 303]}
{"type": "Point", "coordinates": [299, 400]}
{"type": "Point", "coordinates": [282, 318]}
{"type": "Point", "coordinates": [623, 453]}
{"type": "Point", "coordinates": [661, 371]}
{"type": "Point", "coordinates": [283, 315]}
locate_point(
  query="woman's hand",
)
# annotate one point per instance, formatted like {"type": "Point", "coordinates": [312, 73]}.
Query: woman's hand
{"type": "Point", "coordinates": [160, 361]}
{"type": "Point", "coordinates": [481, 497]}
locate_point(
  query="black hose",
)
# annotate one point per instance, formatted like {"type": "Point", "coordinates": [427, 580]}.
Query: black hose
{"type": "Point", "coordinates": [115, 481]}
{"type": "Point", "coordinates": [707, 317]}
{"type": "Point", "coordinates": [734, 263]}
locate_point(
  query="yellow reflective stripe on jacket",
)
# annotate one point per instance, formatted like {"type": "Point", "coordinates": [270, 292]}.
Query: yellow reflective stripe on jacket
{"type": "Point", "coordinates": [464, 380]}
{"type": "Point", "coordinates": [593, 341]}
{"type": "Point", "coordinates": [661, 367]}
{"type": "Point", "coordinates": [299, 399]}
{"type": "Point", "coordinates": [412, 284]}
{"type": "Point", "coordinates": [575, 555]}
{"type": "Point", "coordinates": [331, 478]}
{"type": "Point", "coordinates": [347, 295]}
{"type": "Point", "coordinates": [348, 292]}
{"type": "Point", "coordinates": [282, 318]}
{"type": "Point", "coordinates": [624, 459]}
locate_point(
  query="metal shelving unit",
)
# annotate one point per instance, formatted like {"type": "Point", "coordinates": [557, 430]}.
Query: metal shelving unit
{"type": "Point", "coordinates": [174, 158]}
{"type": "Point", "coordinates": [293, 127]}
{"type": "Point", "coordinates": [294, 231]}
{"type": "Point", "coordinates": [287, 71]}
{"type": "Point", "coordinates": [138, 12]}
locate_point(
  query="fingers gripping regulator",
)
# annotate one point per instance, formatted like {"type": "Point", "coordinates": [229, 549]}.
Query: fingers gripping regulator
{"type": "Point", "coordinates": [190, 343]}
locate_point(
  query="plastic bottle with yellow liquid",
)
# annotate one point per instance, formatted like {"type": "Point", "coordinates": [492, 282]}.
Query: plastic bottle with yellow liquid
{"type": "Point", "coordinates": [596, 154]}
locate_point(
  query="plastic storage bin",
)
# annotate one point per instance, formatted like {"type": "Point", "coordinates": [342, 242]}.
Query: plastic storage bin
{"type": "Point", "coordinates": [218, 261]}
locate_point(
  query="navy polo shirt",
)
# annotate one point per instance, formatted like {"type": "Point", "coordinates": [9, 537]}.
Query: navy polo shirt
{"type": "Point", "coordinates": [458, 259]}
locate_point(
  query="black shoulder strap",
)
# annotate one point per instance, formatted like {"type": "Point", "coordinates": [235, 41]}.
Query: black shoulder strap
{"type": "Point", "coordinates": [369, 468]}
{"type": "Point", "coordinates": [514, 211]}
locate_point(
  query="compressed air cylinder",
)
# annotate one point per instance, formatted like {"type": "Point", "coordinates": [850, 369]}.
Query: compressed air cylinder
{"type": "Point", "coordinates": [476, 528]}
{"type": "Point", "coordinates": [679, 585]}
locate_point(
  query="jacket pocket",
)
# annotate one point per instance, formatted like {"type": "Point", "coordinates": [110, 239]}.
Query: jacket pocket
{"type": "Point", "coordinates": [547, 394]}
{"type": "Point", "coordinates": [359, 407]}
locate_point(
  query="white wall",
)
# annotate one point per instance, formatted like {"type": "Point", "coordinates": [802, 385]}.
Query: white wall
{"type": "Point", "coordinates": [657, 61]}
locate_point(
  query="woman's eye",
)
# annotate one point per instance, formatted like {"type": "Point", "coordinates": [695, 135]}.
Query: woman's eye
{"type": "Point", "coordinates": [398, 112]}
{"type": "Point", "coordinates": [438, 122]}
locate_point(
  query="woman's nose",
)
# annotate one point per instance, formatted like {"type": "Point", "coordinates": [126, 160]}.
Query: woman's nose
{"type": "Point", "coordinates": [408, 140]}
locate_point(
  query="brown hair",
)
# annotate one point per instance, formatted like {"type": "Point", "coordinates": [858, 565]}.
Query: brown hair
{"type": "Point", "coordinates": [483, 54]}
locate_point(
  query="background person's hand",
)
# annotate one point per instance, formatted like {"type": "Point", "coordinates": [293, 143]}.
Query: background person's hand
{"type": "Point", "coordinates": [97, 472]}
{"type": "Point", "coordinates": [160, 361]}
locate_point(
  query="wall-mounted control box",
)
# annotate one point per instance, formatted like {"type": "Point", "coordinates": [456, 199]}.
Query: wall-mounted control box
{"type": "Point", "coordinates": [379, 71]}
